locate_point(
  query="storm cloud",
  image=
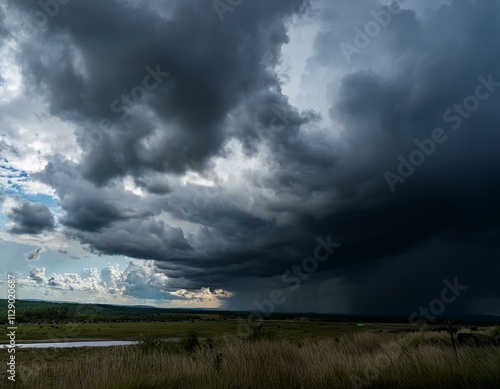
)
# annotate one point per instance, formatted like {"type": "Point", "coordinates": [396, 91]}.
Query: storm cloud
{"type": "Point", "coordinates": [194, 156]}
{"type": "Point", "coordinates": [31, 218]}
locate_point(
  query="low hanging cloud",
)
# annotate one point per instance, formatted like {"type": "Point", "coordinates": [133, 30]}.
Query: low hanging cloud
{"type": "Point", "coordinates": [35, 254]}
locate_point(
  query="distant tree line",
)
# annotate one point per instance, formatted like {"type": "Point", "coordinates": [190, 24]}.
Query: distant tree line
{"type": "Point", "coordinates": [40, 312]}
{"type": "Point", "coordinates": [46, 312]}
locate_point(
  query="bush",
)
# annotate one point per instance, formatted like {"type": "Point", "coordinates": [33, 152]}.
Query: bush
{"type": "Point", "coordinates": [209, 343]}
{"type": "Point", "coordinates": [149, 342]}
{"type": "Point", "coordinates": [259, 333]}
{"type": "Point", "coordinates": [190, 342]}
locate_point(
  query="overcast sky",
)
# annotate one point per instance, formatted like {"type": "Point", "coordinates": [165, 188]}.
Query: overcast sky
{"type": "Point", "coordinates": [199, 153]}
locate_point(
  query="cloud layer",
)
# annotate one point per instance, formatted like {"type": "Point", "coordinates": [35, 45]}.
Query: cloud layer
{"type": "Point", "coordinates": [139, 282]}
{"type": "Point", "coordinates": [192, 154]}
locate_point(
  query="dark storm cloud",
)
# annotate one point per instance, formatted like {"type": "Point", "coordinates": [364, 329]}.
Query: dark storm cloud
{"type": "Point", "coordinates": [148, 239]}
{"type": "Point", "coordinates": [31, 218]}
{"type": "Point", "coordinates": [221, 86]}
{"type": "Point", "coordinates": [4, 32]}
{"type": "Point", "coordinates": [213, 69]}
{"type": "Point", "coordinates": [451, 198]}
{"type": "Point", "coordinates": [102, 50]}
{"type": "Point", "coordinates": [111, 220]}
{"type": "Point", "coordinates": [87, 208]}
{"type": "Point", "coordinates": [437, 66]}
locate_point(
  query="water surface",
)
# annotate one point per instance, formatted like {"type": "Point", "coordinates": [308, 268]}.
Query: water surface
{"type": "Point", "coordinates": [93, 343]}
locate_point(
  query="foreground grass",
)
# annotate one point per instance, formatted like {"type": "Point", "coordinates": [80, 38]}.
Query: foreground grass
{"type": "Point", "coordinates": [422, 360]}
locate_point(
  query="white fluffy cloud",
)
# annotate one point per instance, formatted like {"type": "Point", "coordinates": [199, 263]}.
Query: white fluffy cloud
{"type": "Point", "coordinates": [136, 282]}
{"type": "Point", "coordinates": [36, 276]}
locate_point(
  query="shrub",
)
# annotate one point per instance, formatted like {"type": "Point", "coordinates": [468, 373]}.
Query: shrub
{"type": "Point", "coordinates": [259, 333]}
{"type": "Point", "coordinates": [149, 342]}
{"type": "Point", "coordinates": [190, 342]}
{"type": "Point", "coordinates": [209, 343]}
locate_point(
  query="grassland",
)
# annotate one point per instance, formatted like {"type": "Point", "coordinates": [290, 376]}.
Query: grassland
{"type": "Point", "coordinates": [354, 360]}
{"type": "Point", "coordinates": [211, 350]}
{"type": "Point", "coordinates": [136, 331]}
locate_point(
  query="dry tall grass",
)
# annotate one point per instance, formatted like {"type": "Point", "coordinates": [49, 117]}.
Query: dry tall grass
{"type": "Point", "coordinates": [423, 360]}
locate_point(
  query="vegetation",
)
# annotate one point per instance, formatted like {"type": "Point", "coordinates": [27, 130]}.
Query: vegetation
{"type": "Point", "coordinates": [218, 349]}
{"type": "Point", "coordinates": [48, 312]}
{"type": "Point", "coordinates": [358, 360]}
{"type": "Point", "coordinates": [292, 330]}
{"type": "Point", "coordinates": [42, 312]}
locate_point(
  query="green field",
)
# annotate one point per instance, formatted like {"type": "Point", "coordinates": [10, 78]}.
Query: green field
{"type": "Point", "coordinates": [205, 328]}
